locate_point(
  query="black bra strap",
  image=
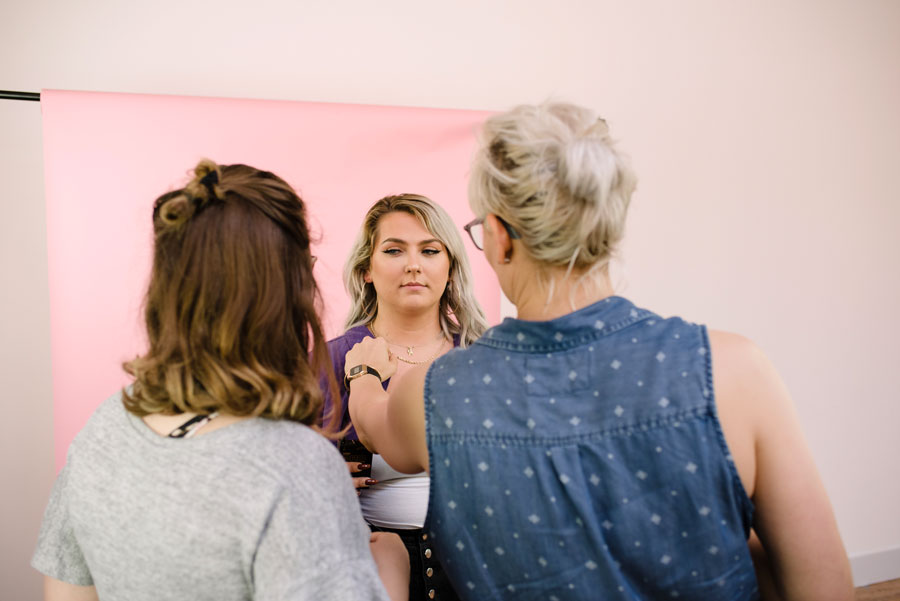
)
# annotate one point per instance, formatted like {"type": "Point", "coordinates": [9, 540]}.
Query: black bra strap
{"type": "Point", "coordinates": [191, 424]}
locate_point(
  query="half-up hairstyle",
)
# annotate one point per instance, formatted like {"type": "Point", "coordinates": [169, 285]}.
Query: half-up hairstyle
{"type": "Point", "coordinates": [554, 174]}
{"type": "Point", "coordinates": [460, 313]}
{"type": "Point", "coordinates": [232, 307]}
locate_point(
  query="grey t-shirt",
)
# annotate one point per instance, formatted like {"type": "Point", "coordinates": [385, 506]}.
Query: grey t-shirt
{"type": "Point", "coordinates": [259, 509]}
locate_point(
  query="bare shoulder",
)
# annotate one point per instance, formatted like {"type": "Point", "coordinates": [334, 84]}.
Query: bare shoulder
{"type": "Point", "coordinates": [749, 388]}
{"type": "Point", "coordinates": [751, 400]}
{"type": "Point", "coordinates": [736, 353]}
{"type": "Point", "coordinates": [742, 373]}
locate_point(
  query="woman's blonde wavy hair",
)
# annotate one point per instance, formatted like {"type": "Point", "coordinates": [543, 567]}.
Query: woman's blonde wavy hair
{"type": "Point", "coordinates": [232, 306]}
{"type": "Point", "coordinates": [460, 313]}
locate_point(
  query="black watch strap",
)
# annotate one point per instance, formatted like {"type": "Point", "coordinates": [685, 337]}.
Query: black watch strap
{"type": "Point", "coordinates": [358, 371]}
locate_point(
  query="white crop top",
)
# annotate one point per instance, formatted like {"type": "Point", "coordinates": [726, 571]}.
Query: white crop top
{"type": "Point", "coordinates": [398, 501]}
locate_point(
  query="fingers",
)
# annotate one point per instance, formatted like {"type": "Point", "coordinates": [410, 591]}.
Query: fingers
{"type": "Point", "coordinates": [362, 483]}
{"type": "Point", "coordinates": [393, 362]}
{"type": "Point", "coordinates": [355, 466]}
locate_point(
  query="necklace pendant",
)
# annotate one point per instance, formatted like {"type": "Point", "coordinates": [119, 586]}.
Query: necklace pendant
{"type": "Point", "coordinates": [409, 351]}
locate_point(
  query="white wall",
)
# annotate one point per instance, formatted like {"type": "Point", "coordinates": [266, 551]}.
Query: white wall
{"type": "Point", "coordinates": [766, 136]}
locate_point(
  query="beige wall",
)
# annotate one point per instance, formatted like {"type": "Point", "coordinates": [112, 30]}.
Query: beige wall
{"type": "Point", "coordinates": [26, 444]}
{"type": "Point", "coordinates": [766, 136]}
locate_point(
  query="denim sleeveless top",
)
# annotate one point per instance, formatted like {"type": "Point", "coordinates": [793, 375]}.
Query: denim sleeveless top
{"type": "Point", "coordinates": [582, 458]}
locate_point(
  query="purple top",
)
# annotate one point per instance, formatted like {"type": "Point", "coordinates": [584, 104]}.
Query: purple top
{"type": "Point", "coordinates": [337, 348]}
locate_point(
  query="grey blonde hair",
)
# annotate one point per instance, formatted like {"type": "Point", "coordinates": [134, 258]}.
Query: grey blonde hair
{"type": "Point", "coordinates": [460, 313]}
{"type": "Point", "coordinates": [554, 174]}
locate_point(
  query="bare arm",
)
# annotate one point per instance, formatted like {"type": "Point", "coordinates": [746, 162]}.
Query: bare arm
{"type": "Point", "coordinates": [390, 425]}
{"type": "Point", "coordinates": [794, 519]}
{"type": "Point", "coordinates": [57, 590]}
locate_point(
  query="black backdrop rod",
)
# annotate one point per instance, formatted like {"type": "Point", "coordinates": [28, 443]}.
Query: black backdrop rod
{"type": "Point", "coordinates": [7, 95]}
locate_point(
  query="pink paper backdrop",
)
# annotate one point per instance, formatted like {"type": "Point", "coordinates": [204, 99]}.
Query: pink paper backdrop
{"type": "Point", "coordinates": [108, 156]}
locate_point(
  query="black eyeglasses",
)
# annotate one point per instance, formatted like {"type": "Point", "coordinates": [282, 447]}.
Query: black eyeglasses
{"type": "Point", "coordinates": [475, 229]}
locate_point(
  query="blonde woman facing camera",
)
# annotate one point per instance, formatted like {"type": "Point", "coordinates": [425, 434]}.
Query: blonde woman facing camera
{"type": "Point", "coordinates": [590, 448]}
{"type": "Point", "coordinates": [409, 283]}
{"type": "Point", "coordinates": [203, 480]}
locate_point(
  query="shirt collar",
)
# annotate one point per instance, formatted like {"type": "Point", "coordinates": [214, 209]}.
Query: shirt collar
{"type": "Point", "coordinates": [588, 323]}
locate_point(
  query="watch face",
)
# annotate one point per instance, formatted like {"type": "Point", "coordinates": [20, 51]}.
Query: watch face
{"type": "Point", "coordinates": [361, 370]}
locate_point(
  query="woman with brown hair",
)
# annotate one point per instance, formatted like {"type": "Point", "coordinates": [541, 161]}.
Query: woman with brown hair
{"type": "Point", "coordinates": [204, 479]}
{"type": "Point", "coordinates": [409, 282]}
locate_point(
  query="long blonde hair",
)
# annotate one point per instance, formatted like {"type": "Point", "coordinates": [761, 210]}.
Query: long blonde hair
{"type": "Point", "coordinates": [460, 313]}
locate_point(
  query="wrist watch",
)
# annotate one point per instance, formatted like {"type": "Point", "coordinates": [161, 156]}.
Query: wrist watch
{"type": "Point", "coordinates": [358, 371]}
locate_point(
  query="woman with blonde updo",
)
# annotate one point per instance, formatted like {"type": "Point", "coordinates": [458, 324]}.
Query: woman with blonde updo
{"type": "Point", "coordinates": [409, 283]}
{"type": "Point", "coordinates": [204, 479]}
{"type": "Point", "coordinates": [590, 448]}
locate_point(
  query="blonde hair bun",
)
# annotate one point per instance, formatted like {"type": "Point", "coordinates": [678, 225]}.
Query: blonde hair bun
{"type": "Point", "coordinates": [553, 172]}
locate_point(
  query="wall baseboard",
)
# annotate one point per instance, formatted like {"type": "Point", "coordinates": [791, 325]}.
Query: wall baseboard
{"type": "Point", "coordinates": [869, 568]}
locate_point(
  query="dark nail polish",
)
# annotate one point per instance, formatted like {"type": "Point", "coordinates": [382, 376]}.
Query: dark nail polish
{"type": "Point", "coordinates": [363, 466]}
{"type": "Point", "coordinates": [370, 481]}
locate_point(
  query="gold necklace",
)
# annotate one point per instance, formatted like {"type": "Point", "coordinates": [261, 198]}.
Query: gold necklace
{"type": "Point", "coordinates": [409, 349]}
